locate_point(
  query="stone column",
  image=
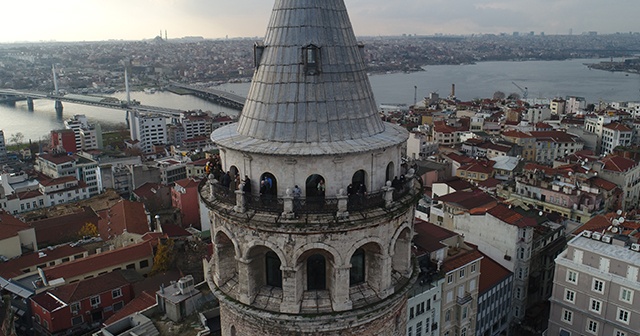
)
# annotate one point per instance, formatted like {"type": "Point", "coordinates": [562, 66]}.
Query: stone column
{"type": "Point", "coordinates": [288, 211]}
{"type": "Point", "coordinates": [410, 177]}
{"type": "Point", "coordinates": [340, 289]}
{"type": "Point", "coordinates": [385, 286]}
{"type": "Point", "coordinates": [387, 194]}
{"type": "Point", "coordinates": [212, 182]}
{"type": "Point", "coordinates": [245, 290]}
{"type": "Point", "coordinates": [343, 202]}
{"type": "Point", "coordinates": [290, 291]}
{"type": "Point", "coordinates": [240, 200]}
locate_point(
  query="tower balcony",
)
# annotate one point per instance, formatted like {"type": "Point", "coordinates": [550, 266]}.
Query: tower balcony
{"type": "Point", "coordinates": [289, 209]}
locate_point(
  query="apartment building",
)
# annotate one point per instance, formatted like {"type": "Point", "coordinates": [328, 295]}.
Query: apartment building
{"type": "Point", "coordinates": [615, 134]}
{"type": "Point", "coordinates": [596, 285]}
{"type": "Point", "coordinates": [148, 129]}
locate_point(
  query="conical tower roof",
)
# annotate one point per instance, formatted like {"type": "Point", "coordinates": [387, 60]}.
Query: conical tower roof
{"type": "Point", "coordinates": [310, 86]}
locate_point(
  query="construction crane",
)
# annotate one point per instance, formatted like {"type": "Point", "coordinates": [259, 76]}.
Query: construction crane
{"type": "Point", "coordinates": [525, 91]}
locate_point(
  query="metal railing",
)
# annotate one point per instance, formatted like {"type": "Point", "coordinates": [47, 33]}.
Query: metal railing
{"type": "Point", "coordinates": [301, 205]}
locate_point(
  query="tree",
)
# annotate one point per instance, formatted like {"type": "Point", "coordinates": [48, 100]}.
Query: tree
{"type": "Point", "coordinates": [88, 230]}
{"type": "Point", "coordinates": [513, 96]}
{"type": "Point", "coordinates": [499, 95]}
{"type": "Point", "coordinates": [16, 138]}
{"type": "Point", "coordinates": [163, 260]}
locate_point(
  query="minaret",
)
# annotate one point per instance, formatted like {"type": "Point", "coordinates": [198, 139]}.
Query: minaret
{"type": "Point", "coordinates": [320, 244]}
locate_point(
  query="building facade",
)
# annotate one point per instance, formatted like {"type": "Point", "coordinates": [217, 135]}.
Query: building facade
{"type": "Point", "coordinates": [310, 121]}
{"type": "Point", "coordinates": [596, 283]}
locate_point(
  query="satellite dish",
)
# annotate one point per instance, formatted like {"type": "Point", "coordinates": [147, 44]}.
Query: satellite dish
{"type": "Point", "coordinates": [619, 212]}
{"type": "Point", "coordinates": [614, 229]}
{"type": "Point", "coordinates": [621, 220]}
{"type": "Point", "coordinates": [540, 213]}
{"type": "Point", "coordinates": [615, 222]}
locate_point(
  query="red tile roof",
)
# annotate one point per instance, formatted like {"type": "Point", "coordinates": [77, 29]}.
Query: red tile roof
{"type": "Point", "coordinates": [14, 267]}
{"type": "Point", "coordinates": [428, 236]}
{"type": "Point", "coordinates": [123, 216]}
{"type": "Point", "coordinates": [601, 223]}
{"type": "Point", "coordinates": [188, 183]}
{"type": "Point", "coordinates": [618, 163]}
{"type": "Point", "coordinates": [58, 180]}
{"type": "Point", "coordinates": [555, 136]}
{"type": "Point", "coordinates": [509, 216]}
{"type": "Point", "coordinates": [59, 297]}
{"type": "Point", "coordinates": [10, 226]}
{"type": "Point", "coordinates": [140, 303]}
{"type": "Point", "coordinates": [604, 184]}
{"type": "Point", "coordinates": [57, 159]}
{"type": "Point", "coordinates": [173, 230]}
{"type": "Point", "coordinates": [463, 257]}
{"type": "Point", "coordinates": [458, 184]}
{"type": "Point", "coordinates": [459, 158]}
{"type": "Point", "coordinates": [63, 228]}
{"type": "Point", "coordinates": [478, 167]}
{"type": "Point", "coordinates": [104, 260]}
{"type": "Point", "coordinates": [618, 127]}
{"type": "Point", "coordinates": [476, 201]}
{"type": "Point", "coordinates": [491, 274]}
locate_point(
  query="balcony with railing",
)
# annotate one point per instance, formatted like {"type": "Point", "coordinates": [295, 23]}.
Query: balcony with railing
{"type": "Point", "coordinates": [275, 208]}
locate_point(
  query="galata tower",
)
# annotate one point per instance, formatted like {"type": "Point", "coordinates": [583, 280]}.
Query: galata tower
{"type": "Point", "coordinates": [311, 238]}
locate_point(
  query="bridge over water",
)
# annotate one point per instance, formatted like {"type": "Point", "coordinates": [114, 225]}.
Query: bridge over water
{"type": "Point", "coordinates": [220, 97]}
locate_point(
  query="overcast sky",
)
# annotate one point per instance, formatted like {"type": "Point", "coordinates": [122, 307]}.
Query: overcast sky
{"type": "Point", "coordinates": [91, 20]}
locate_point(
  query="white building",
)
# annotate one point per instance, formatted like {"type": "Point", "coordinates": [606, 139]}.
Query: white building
{"type": "Point", "coordinates": [149, 129]}
{"type": "Point", "coordinates": [615, 134]}
{"type": "Point", "coordinates": [596, 286]}
{"type": "Point", "coordinates": [88, 136]}
{"type": "Point", "coordinates": [537, 114]}
{"type": "Point", "coordinates": [575, 104]}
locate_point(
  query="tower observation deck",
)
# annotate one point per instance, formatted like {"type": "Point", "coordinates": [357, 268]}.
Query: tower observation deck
{"type": "Point", "coordinates": [315, 240]}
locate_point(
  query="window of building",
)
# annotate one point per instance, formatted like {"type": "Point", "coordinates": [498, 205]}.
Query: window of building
{"type": "Point", "coordinates": [592, 326]}
{"type": "Point", "coordinates": [572, 277]}
{"type": "Point", "coordinates": [569, 296]}
{"type": "Point", "coordinates": [447, 315]}
{"type": "Point", "coordinates": [95, 301]}
{"type": "Point", "coordinates": [473, 268]}
{"type": "Point", "coordinates": [316, 272]}
{"type": "Point", "coordinates": [76, 320]}
{"type": "Point", "coordinates": [117, 306]}
{"type": "Point", "coordinates": [410, 331]}
{"type": "Point", "coordinates": [595, 306]}
{"type": "Point", "coordinates": [450, 278]}
{"type": "Point", "coordinates": [419, 329]}
{"type": "Point", "coordinates": [461, 273]}
{"type": "Point", "coordinates": [463, 332]}
{"type": "Point", "coordinates": [567, 316]}
{"type": "Point", "coordinates": [75, 307]}
{"type": "Point", "coordinates": [597, 286]}
{"type": "Point", "coordinates": [274, 274]}
{"type": "Point", "coordinates": [357, 271]}
{"type": "Point", "coordinates": [626, 295]}
{"type": "Point", "coordinates": [144, 263]}
{"type": "Point", "coordinates": [623, 316]}
{"type": "Point", "coordinates": [411, 313]}
{"type": "Point", "coordinates": [617, 332]}
{"type": "Point", "coordinates": [116, 293]}
{"type": "Point", "coordinates": [311, 55]}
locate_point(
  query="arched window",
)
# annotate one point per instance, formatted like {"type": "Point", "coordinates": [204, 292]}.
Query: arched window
{"type": "Point", "coordinates": [233, 331]}
{"type": "Point", "coordinates": [390, 172]}
{"type": "Point", "coordinates": [268, 184]}
{"type": "Point", "coordinates": [274, 274]}
{"type": "Point", "coordinates": [314, 186]}
{"type": "Point", "coordinates": [316, 272]}
{"type": "Point", "coordinates": [357, 271]}
{"type": "Point", "coordinates": [359, 181]}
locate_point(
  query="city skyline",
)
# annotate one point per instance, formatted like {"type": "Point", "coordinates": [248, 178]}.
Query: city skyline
{"type": "Point", "coordinates": [92, 20]}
